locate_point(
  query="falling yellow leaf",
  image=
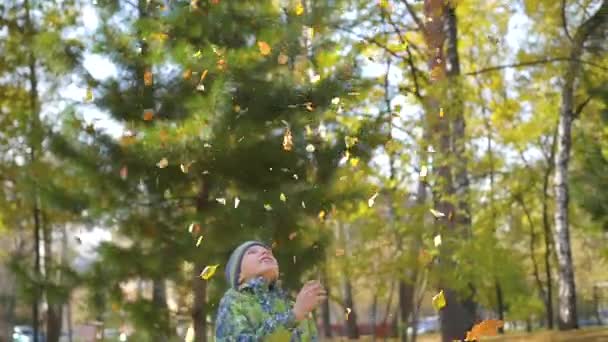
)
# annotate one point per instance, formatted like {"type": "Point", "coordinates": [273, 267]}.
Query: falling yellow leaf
{"type": "Point", "coordinates": [208, 272]}
{"type": "Point", "coordinates": [310, 148]}
{"type": "Point", "coordinates": [354, 162]}
{"type": "Point", "coordinates": [194, 228]}
{"type": "Point", "coordinates": [303, 204]}
{"type": "Point", "coordinates": [488, 327]}
{"type": "Point", "coordinates": [282, 59]}
{"type": "Point", "coordinates": [89, 95]}
{"type": "Point", "coordinates": [222, 201]}
{"type": "Point", "coordinates": [264, 48]}
{"type": "Point", "coordinates": [309, 107]}
{"type": "Point", "coordinates": [184, 167]}
{"type": "Point", "coordinates": [348, 311]}
{"type": "Point", "coordinates": [350, 141]}
{"type": "Point", "coordinates": [198, 53]}
{"type": "Point", "coordinates": [294, 259]}
{"type": "Point", "coordinates": [423, 171]}
{"type": "Point", "coordinates": [293, 235]}
{"type": "Point", "coordinates": [441, 112]}
{"type": "Point", "coordinates": [204, 74]}
{"type": "Point", "coordinates": [339, 252]}
{"type": "Point", "coordinates": [299, 8]}
{"type": "Point", "coordinates": [371, 200]}
{"type": "Point", "coordinates": [437, 214]}
{"type": "Point", "coordinates": [198, 242]}
{"type": "Point", "coordinates": [268, 207]}
{"type": "Point", "coordinates": [159, 36]}
{"type": "Point", "coordinates": [437, 240]}
{"type": "Point", "coordinates": [163, 163]}
{"type": "Point", "coordinates": [287, 140]}
{"type": "Point", "coordinates": [282, 197]}
{"type": "Point", "coordinates": [148, 77]}
{"type": "Point", "coordinates": [322, 215]}
{"type": "Point", "coordinates": [236, 202]}
{"type": "Point", "coordinates": [439, 301]}
{"type": "Point", "coordinates": [148, 114]}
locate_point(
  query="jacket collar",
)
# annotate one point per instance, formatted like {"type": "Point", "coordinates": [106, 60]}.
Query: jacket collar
{"type": "Point", "coordinates": [259, 285]}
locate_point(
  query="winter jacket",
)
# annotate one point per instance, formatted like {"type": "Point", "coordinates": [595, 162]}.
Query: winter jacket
{"type": "Point", "coordinates": [257, 311]}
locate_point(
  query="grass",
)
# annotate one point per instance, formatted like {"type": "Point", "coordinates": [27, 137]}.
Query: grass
{"type": "Point", "coordinates": [596, 334]}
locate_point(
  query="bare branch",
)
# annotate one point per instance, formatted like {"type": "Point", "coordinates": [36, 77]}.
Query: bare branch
{"type": "Point", "coordinates": [531, 63]}
{"type": "Point", "coordinates": [417, 20]}
{"type": "Point", "coordinates": [580, 107]}
{"type": "Point", "coordinates": [565, 20]}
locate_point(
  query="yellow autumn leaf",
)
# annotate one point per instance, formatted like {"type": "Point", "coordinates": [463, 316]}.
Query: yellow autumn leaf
{"type": "Point", "coordinates": [148, 77]}
{"type": "Point", "coordinates": [348, 311]}
{"type": "Point", "coordinates": [299, 8]}
{"type": "Point", "coordinates": [437, 240]}
{"type": "Point", "coordinates": [264, 48]}
{"type": "Point", "coordinates": [439, 301]}
{"type": "Point", "coordinates": [371, 200]}
{"type": "Point", "coordinates": [163, 163]}
{"type": "Point", "coordinates": [437, 214]}
{"type": "Point", "coordinates": [441, 112]}
{"type": "Point", "coordinates": [282, 197]}
{"type": "Point", "coordinates": [339, 252]}
{"type": "Point", "coordinates": [287, 140]}
{"type": "Point", "coordinates": [187, 74]}
{"type": "Point", "coordinates": [89, 95]}
{"type": "Point", "coordinates": [293, 235]}
{"type": "Point", "coordinates": [423, 171]}
{"type": "Point", "coordinates": [282, 58]}
{"type": "Point", "coordinates": [198, 242]}
{"type": "Point", "coordinates": [208, 272]}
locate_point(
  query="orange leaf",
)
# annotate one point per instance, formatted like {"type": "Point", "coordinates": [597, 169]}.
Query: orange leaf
{"type": "Point", "coordinates": [489, 327]}
{"type": "Point", "coordinates": [148, 77]}
{"type": "Point", "coordinates": [264, 48]}
{"type": "Point", "coordinates": [187, 74]}
{"type": "Point", "coordinates": [148, 114]}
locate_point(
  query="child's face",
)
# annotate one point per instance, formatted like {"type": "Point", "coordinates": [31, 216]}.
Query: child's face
{"type": "Point", "coordinates": [259, 261]}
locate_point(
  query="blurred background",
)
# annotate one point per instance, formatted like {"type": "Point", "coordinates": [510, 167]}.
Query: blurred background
{"type": "Point", "coordinates": [434, 163]}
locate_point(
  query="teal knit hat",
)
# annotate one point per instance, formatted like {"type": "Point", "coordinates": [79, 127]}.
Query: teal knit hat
{"type": "Point", "coordinates": [233, 267]}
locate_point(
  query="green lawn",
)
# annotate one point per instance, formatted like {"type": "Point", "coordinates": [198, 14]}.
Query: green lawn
{"type": "Point", "coordinates": [597, 334]}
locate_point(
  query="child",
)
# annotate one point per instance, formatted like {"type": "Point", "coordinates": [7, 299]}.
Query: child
{"type": "Point", "coordinates": [255, 308]}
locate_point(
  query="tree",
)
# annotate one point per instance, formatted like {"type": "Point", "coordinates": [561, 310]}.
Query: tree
{"type": "Point", "coordinates": [566, 285]}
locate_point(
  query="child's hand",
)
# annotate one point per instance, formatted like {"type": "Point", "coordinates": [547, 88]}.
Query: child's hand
{"type": "Point", "coordinates": [311, 295]}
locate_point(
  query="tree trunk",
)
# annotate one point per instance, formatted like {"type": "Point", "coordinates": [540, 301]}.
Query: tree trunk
{"type": "Point", "coordinates": [374, 316]}
{"type": "Point", "coordinates": [199, 287]}
{"type": "Point", "coordinates": [35, 143]}
{"type": "Point", "coordinates": [54, 312]}
{"type": "Point", "coordinates": [456, 320]}
{"type": "Point", "coordinates": [352, 331]}
{"type": "Point", "coordinates": [159, 298]}
{"type": "Point", "coordinates": [500, 305]}
{"type": "Point", "coordinates": [406, 303]}
{"type": "Point", "coordinates": [547, 236]}
{"type": "Point", "coordinates": [326, 314]}
{"type": "Point", "coordinates": [567, 289]}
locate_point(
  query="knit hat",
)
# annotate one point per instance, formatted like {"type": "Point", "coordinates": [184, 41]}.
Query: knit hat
{"type": "Point", "coordinates": [233, 267]}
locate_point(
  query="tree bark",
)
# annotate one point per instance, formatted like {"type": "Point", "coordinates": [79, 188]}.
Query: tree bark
{"type": "Point", "coordinates": [35, 142]}
{"type": "Point", "coordinates": [199, 287]}
{"type": "Point", "coordinates": [352, 331]}
{"type": "Point", "coordinates": [456, 319]}
{"type": "Point", "coordinates": [406, 293]}
{"type": "Point", "coordinates": [567, 318]}
{"type": "Point", "coordinates": [54, 312]}
{"type": "Point", "coordinates": [159, 298]}
{"type": "Point", "coordinates": [326, 314]}
{"type": "Point", "coordinates": [547, 235]}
